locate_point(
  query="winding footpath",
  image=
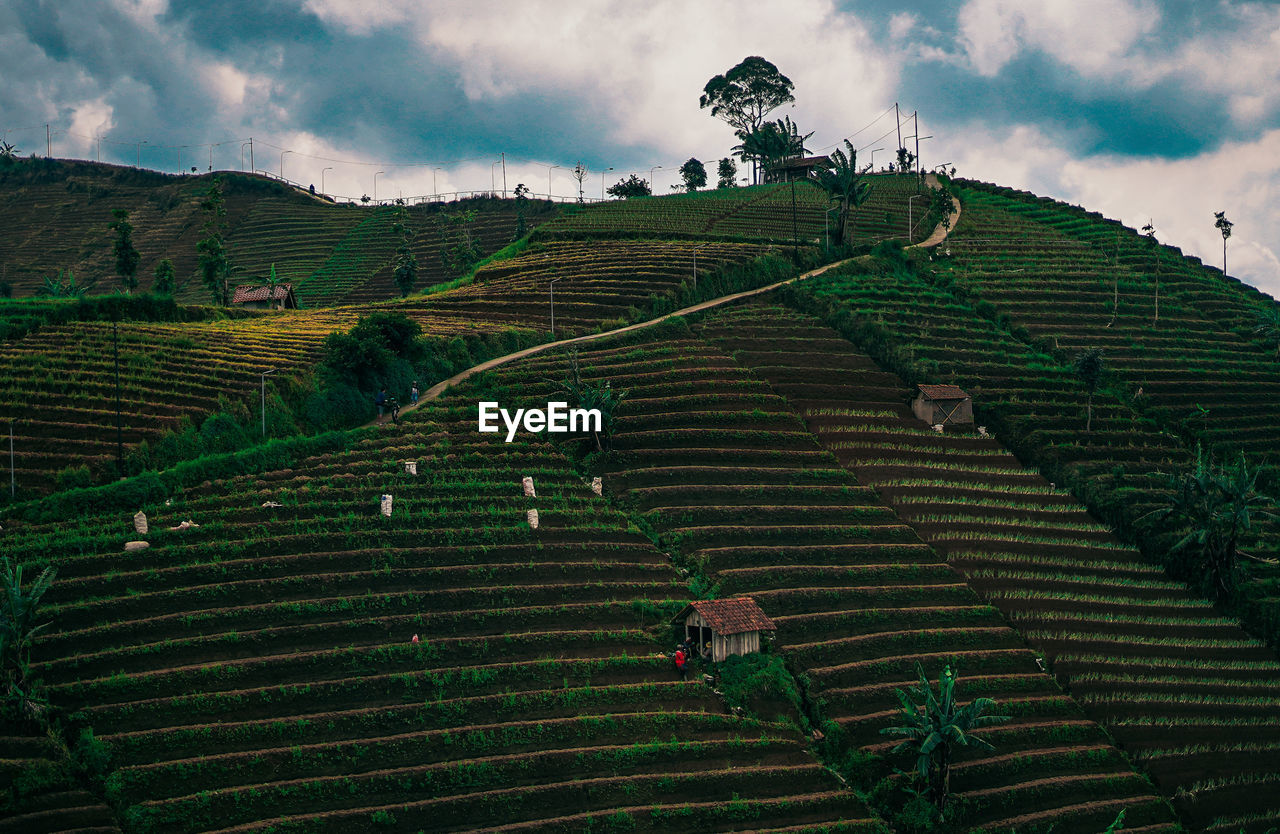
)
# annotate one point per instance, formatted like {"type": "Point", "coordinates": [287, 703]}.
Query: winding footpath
{"type": "Point", "coordinates": [938, 235]}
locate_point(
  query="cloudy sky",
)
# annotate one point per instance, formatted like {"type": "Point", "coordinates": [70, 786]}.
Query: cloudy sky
{"type": "Point", "coordinates": [1144, 110]}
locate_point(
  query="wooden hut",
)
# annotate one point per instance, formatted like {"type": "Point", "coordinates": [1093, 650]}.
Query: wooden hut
{"type": "Point", "coordinates": [943, 405]}
{"type": "Point", "coordinates": [731, 626]}
{"type": "Point", "coordinates": [279, 297]}
{"type": "Point", "coordinates": [795, 168]}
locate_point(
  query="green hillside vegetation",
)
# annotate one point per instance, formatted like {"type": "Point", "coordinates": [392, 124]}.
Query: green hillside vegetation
{"type": "Point", "coordinates": [496, 653]}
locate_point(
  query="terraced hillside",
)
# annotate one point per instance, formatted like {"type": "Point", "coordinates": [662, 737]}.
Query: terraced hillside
{"type": "Point", "coordinates": [1179, 687]}
{"type": "Point", "coordinates": [715, 460]}
{"type": "Point", "coordinates": [259, 670]}
{"type": "Point", "coordinates": [765, 212]}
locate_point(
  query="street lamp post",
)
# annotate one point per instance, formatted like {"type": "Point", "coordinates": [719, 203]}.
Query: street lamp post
{"type": "Point", "coordinates": [375, 186]}
{"type": "Point", "coordinates": [435, 188]}
{"type": "Point", "coordinates": [138, 161]}
{"type": "Point", "coordinates": [552, 285]}
{"type": "Point", "coordinates": [826, 227]}
{"type": "Point", "coordinates": [282, 153]}
{"type": "Point", "coordinates": [602, 173]}
{"type": "Point", "coordinates": [872, 161]}
{"type": "Point", "coordinates": [322, 170]}
{"type": "Point", "coordinates": [550, 168]}
{"type": "Point", "coordinates": [264, 375]}
{"type": "Point", "coordinates": [651, 170]}
{"type": "Point", "coordinates": [493, 178]}
{"type": "Point", "coordinates": [911, 227]}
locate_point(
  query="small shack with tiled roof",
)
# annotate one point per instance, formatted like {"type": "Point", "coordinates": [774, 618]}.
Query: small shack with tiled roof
{"type": "Point", "coordinates": [943, 405]}
{"type": "Point", "coordinates": [731, 626]}
{"type": "Point", "coordinates": [795, 168]}
{"type": "Point", "coordinates": [254, 297]}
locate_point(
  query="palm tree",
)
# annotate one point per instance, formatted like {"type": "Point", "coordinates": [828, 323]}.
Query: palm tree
{"type": "Point", "coordinates": [1222, 224]}
{"type": "Point", "coordinates": [844, 184]}
{"type": "Point", "coordinates": [1214, 506]}
{"type": "Point", "coordinates": [1150, 232]}
{"type": "Point", "coordinates": [934, 726]}
{"type": "Point", "coordinates": [1268, 326]}
{"type": "Point", "coordinates": [18, 627]}
{"type": "Point", "coordinates": [771, 143]}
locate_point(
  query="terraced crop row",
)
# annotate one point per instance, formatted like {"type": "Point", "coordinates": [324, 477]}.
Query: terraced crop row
{"type": "Point", "coordinates": [1180, 688]}
{"type": "Point", "coordinates": [757, 212]}
{"type": "Point", "coordinates": [715, 460]}
{"type": "Point", "coordinates": [258, 671]}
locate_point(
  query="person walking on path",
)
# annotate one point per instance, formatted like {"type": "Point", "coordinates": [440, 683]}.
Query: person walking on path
{"type": "Point", "coordinates": [380, 401]}
{"type": "Point", "coordinates": [413, 393]}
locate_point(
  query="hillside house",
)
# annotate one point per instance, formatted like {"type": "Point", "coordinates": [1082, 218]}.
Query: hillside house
{"type": "Point", "coordinates": [279, 297]}
{"type": "Point", "coordinates": [796, 168]}
{"type": "Point", "coordinates": [731, 626]}
{"type": "Point", "coordinates": [943, 405]}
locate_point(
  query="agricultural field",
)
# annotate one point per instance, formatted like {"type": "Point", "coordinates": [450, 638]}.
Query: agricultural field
{"type": "Point", "coordinates": [1183, 690]}
{"type": "Point", "coordinates": [760, 212]}
{"type": "Point", "coordinates": [300, 660]}
{"type": "Point", "coordinates": [715, 461]}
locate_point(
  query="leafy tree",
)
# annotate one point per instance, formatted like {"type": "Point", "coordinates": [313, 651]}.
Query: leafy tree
{"type": "Point", "coordinates": [405, 267]}
{"type": "Point", "coordinates": [19, 612]}
{"type": "Point", "coordinates": [214, 262]}
{"type": "Point", "coordinates": [1268, 327]}
{"type": "Point", "coordinates": [843, 184]}
{"type": "Point", "coordinates": [906, 159]}
{"type": "Point", "coordinates": [164, 278]}
{"type": "Point", "coordinates": [934, 726]}
{"type": "Point", "coordinates": [522, 206]}
{"type": "Point", "coordinates": [726, 173]}
{"type": "Point", "coordinates": [632, 186]}
{"type": "Point", "coordinates": [580, 173]}
{"type": "Point", "coordinates": [1089, 368]}
{"type": "Point", "coordinates": [771, 143]}
{"type": "Point", "coordinates": [127, 256]}
{"type": "Point", "coordinates": [1222, 224]}
{"type": "Point", "coordinates": [588, 395]}
{"type": "Point", "coordinates": [459, 250]}
{"type": "Point", "coordinates": [1149, 231]}
{"type": "Point", "coordinates": [694, 174]}
{"type": "Point", "coordinates": [744, 95]}
{"type": "Point", "coordinates": [1213, 506]}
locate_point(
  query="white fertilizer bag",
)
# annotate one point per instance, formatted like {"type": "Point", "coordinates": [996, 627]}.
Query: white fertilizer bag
{"type": "Point", "coordinates": [140, 523]}
{"type": "Point", "coordinates": [533, 519]}
{"type": "Point", "coordinates": [597, 485]}
{"type": "Point", "coordinates": [386, 505]}
{"type": "Point", "coordinates": [529, 491]}
{"type": "Point", "coordinates": [411, 467]}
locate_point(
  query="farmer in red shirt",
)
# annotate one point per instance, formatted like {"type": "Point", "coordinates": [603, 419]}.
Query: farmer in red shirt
{"type": "Point", "coordinates": [681, 665]}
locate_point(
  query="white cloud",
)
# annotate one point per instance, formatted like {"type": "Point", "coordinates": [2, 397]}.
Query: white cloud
{"type": "Point", "coordinates": [1178, 195]}
{"type": "Point", "coordinates": [1090, 36]}
{"type": "Point", "coordinates": [901, 24]}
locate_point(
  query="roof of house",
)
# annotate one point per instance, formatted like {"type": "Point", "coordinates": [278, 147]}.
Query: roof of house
{"type": "Point", "coordinates": [730, 616]}
{"type": "Point", "coordinates": [251, 292]}
{"type": "Point", "coordinates": [803, 162]}
{"type": "Point", "coordinates": [943, 392]}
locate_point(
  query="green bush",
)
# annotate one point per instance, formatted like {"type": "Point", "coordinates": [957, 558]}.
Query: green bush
{"type": "Point", "coordinates": [74, 477]}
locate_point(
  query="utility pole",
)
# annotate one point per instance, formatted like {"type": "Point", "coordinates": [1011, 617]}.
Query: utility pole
{"type": "Point", "coordinates": [13, 479]}
{"type": "Point", "coordinates": [115, 341]}
{"type": "Point", "coordinates": [915, 121]}
{"type": "Point", "coordinates": [264, 375]}
{"type": "Point", "coordinates": [795, 233]}
{"type": "Point", "coordinates": [250, 154]}
{"type": "Point", "coordinates": [48, 142]}
{"type": "Point", "coordinates": [504, 174]}
{"type": "Point", "coordinates": [695, 270]}
{"type": "Point", "coordinates": [897, 120]}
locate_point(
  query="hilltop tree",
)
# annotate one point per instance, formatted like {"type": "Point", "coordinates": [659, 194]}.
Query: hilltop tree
{"type": "Point", "coordinates": [1149, 231]}
{"type": "Point", "coordinates": [1222, 224]}
{"type": "Point", "coordinates": [580, 173]}
{"type": "Point", "coordinates": [1089, 368]}
{"type": "Point", "coordinates": [214, 262]}
{"type": "Point", "coordinates": [744, 95]}
{"type": "Point", "coordinates": [522, 206]}
{"type": "Point", "coordinates": [1213, 507]}
{"type": "Point", "coordinates": [935, 725]}
{"type": "Point", "coordinates": [405, 268]}
{"type": "Point", "coordinates": [127, 257]}
{"type": "Point", "coordinates": [694, 174]}
{"type": "Point", "coordinates": [164, 278]}
{"type": "Point", "coordinates": [726, 173]}
{"type": "Point", "coordinates": [632, 186]}
{"type": "Point", "coordinates": [843, 184]}
{"type": "Point", "coordinates": [906, 159]}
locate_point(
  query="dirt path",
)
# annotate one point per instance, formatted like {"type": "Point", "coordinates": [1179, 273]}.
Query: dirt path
{"type": "Point", "coordinates": [939, 234]}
